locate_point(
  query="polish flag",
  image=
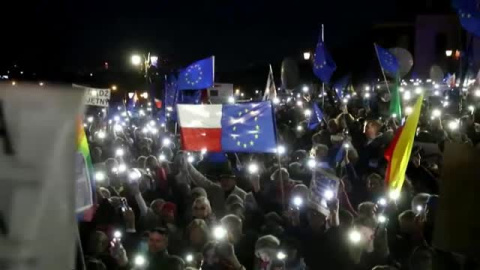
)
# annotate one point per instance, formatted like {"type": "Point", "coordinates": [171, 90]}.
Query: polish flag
{"type": "Point", "coordinates": [201, 127]}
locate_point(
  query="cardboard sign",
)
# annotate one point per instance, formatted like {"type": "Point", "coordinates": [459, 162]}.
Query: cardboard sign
{"type": "Point", "coordinates": [96, 96]}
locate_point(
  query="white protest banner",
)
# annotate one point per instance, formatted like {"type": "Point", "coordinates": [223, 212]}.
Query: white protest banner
{"type": "Point", "coordinates": [95, 96]}
{"type": "Point", "coordinates": [37, 179]}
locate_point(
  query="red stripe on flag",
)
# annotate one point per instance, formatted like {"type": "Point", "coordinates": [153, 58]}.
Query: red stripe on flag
{"type": "Point", "coordinates": [389, 152]}
{"type": "Point", "coordinates": [196, 139]}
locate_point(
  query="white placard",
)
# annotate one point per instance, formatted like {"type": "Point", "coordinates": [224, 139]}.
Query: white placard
{"type": "Point", "coordinates": [95, 96]}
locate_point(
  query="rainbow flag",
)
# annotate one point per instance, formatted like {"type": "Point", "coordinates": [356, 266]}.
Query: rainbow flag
{"type": "Point", "coordinates": [398, 152]}
{"type": "Point", "coordinates": [85, 184]}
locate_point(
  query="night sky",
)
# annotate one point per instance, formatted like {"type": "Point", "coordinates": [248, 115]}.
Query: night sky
{"type": "Point", "coordinates": [66, 36]}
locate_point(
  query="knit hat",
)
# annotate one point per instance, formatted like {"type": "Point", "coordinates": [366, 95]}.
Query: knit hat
{"type": "Point", "coordinates": [267, 242]}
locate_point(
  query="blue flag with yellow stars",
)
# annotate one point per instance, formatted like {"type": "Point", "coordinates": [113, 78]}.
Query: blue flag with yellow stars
{"type": "Point", "coordinates": [387, 60]}
{"type": "Point", "coordinates": [340, 85]}
{"type": "Point", "coordinates": [469, 15]}
{"type": "Point", "coordinates": [316, 118]}
{"type": "Point", "coordinates": [199, 75]}
{"type": "Point", "coordinates": [323, 64]}
{"type": "Point", "coordinates": [248, 128]}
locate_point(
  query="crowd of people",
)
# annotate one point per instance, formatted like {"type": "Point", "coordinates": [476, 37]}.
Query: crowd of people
{"type": "Point", "coordinates": [159, 207]}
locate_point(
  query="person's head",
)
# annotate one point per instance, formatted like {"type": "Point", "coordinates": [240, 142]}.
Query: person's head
{"type": "Point", "coordinates": [372, 129]}
{"type": "Point", "coordinates": [104, 192]}
{"type": "Point", "coordinates": [237, 209]}
{"type": "Point", "coordinates": [96, 154]}
{"type": "Point", "coordinates": [280, 175]}
{"type": "Point", "coordinates": [375, 183]}
{"type": "Point", "coordinates": [141, 162]}
{"type": "Point", "coordinates": [198, 192]}
{"type": "Point", "coordinates": [151, 162]}
{"type": "Point", "coordinates": [175, 263]}
{"type": "Point", "coordinates": [97, 243]}
{"type": "Point", "coordinates": [320, 151]}
{"type": "Point", "coordinates": [233, 198]}
{"type": "Point", "coordinates": [317, 217]}
{"type": "Point", "coordinates": [111, 165]}
{"type": "Point", "coordinates": [266, 247]}
{"type": "Point", "coordinates": [367, 209]}
{"type": "Point", "coordinates": [234, 227]}
{"type": "Point", "coordinates": [168, 212]}
{"type": "Point", "coordinates": [419, 202]}
{"type": "Point", "coordinates": [332, 126]}
{"type": "Point", "coordinates": [406, 221]}
{"type": "Point", "coordinates": [421, 258]}
{"type": "Point", "coordinates": [366, 228]}
{"type": "Point", "coordinates": [157, 240]}
{"type": "Point", "coordinates": [228, 182]}
{"type": "Point", "coordinates": [157, 206]}
{"type": "Point", "coordinates": [197, 233]}
{"type": "Point", "coordinates": [201, 208]}
{"type": "Point", "coordinates": [302, 191]}
{"type": "Point", "coordinates": [299, 156]}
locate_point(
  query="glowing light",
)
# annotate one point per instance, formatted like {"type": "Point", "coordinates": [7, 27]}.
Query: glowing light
{"type": "Point", "coordinates": [305, 89]}
{"type": "Point", "coordinates": [116, 118]}
{"type": "Point", "coordinates": [117, 234]}
{"type": "Point", "coordinates": [355, 236]}
{"type": "Point", "coordinates": [189, 258]}
{"type": "Point", "coordinates": [382, 202]}
{"type": "Point", "coordinates": [119, 152]}
{"type": "Point", "coordinates": [408, 110]}
{"type": "Point", "coordinates": [101, 134]}
{"type": "Point", "coordinates": [306, 55]}
{"type": "Point", "coordinates": [162, 157]}
{"type": "Point", "coordinates": [231, 100]}
{"type": "Point", "coordinates": [190, 159]}
{"type": "Point", "coordinates": [117, 128]}
{"type": "Point", "coordinates": [136, 60]}
{"type": "Point", "coordinates": [253, 168]}
{"type": "Point", "coordinates": [90, 119]}
{"type": "Point", "coordinates": [453, 125]}
{"type": "Point", "coordinates": [436, 113]}
{"type": "Point", "coordinates": [367, 95]}
{"type": "Point", "coordinates": [394, 115]}
{"type": "Point", "coordinates": [407, 95]}
{"type": "Point", "coordinates": [141, 112]}
{"type": "Point", "coordinates": [418, 90]}
{"type": "Point", "coordinates": [203, 151]}
{"type": "Point", "coordinates": [144, 95]}
{"type": "Point", "coordinates": [328, 194]}
{"type": "Point", "coordinates": [297, 201]}
{"type": "Point", "coordinates": [448, 53]}
{"type": "Point", "coordinates": [471, 108]}
{"type": "Point", "coordinates": [219, 233]}
{"type": "Point", "coordinates": [281, 255]}
{"type": "Point", "coordinates": [367, 88]}
{"type": "Point", "coordinates": [419, 208]}
{"type": "Point", "coordinates": [130, 95]}
{"type": "Point", "coordinates": [345, 100]}
{"type": "Point", "coordinates": [394, 195]}
{"type": "Point", "coordinates": [41, 84]}
{"type": "Point", "coordinates": [281, 149]}
{"type": "Point", "coordinates": [113, 87]}
{"type": "Point", "coordinates": [134, 175]}
{"type": "Point", "coordinates": [166, 142]}
{"type": "Point", "coordinates": [299, 103]}
{"type": "Point", "coordinates": [122, 168]}
{"type": "Point", "coordinates": [382, 219]}
{"type": "Point", "coordinates": [139, 260]}
{"type": "Point", "coordinates": [311, 163]}
{"type": "Point", "coordinates": [477, 93]}
{"type": "Point", "coordinates": [401, 89]}
{"type": "Point", "coordinates": [307, 112]}
{"type": "Point", "coordinates": [436, 93]}
{"type": "Point", "coordinates": [100, 176]}
{"type": "Point", "coordinates": [276, 101]}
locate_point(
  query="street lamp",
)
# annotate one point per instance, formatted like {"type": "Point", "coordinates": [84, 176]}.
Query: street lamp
{"type": "Point", "coordinates": [136, 60]}
{"type": "Point", "coordinates": [114, 87]}
{"type": "Point", "coordinates": [448, 53]}
{"type": "Point", "coordinates": [307, 55]}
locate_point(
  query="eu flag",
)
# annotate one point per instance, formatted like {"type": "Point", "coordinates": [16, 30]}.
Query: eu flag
{"type": "Point", "coordinates": [199, 75]}
{"type": "Point", "coordinates": [469, 22]}
{"type": "Point", "coordinates": [248, 128]}
{"type": "Point", "coordinates": [323, 64]}
{"type": "Point", "coordinates": [387, 60]}
{"type": "Point", "coordinates": [315, 118]}
{"type": "Point", "coordinates": [340, 85]}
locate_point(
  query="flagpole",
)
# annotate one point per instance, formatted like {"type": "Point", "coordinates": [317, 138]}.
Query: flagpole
{"type": "Point", "coordinates": [383, 71]}
{"type": "Point", "coordinates": [282, 191]}
{"type": "Point", "coordinates": [323, 84]}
